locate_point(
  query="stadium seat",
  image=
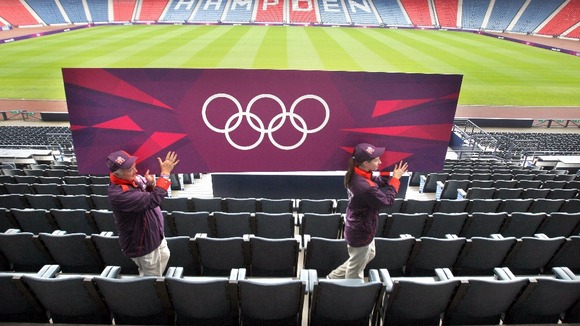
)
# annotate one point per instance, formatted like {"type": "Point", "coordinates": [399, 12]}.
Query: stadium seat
{"type": "Point", "coordinates": [24, 251]}
{"type": "Point", "coordinates": [401, 223]}
{"type": "Point", "coordinates": [68, 298]}
{"type": "Point", "coordinates": [218, 256]}
{"type": "Point", "coordinates": [336, 302]}
{"type": "Point", "coordinates": [136, 301]}
{"type": "Point", "coordinates": [391, 254]}
{"type": "Point", "coordinates": [34, 220]}
{"type": "Point", "coordinates": [273, 257]}
{"type": "Point", "coordinates": [531, 254]}
{"type": "Point", "coordinates": [544, 301]}
{"type": "Point", "coordinates": [110, 252]}
{"type": "Point", "coordinates": [231, 224]}
{"type": "Point", "coordinates": [274, 225]}
{"type": "Point", "coordinates": [481, 255]}
{"type": "Point", "coordinates": [272, 301]}
{"type": "Point", "coordinates": [240, 205]}
{"type": "Point", "coordinates": [410, 301]}
{"type": "Point", "coordinates": [182, 254]}
{"type": "Point", "coordinates": [324, 255]}
{"type": "Point", "coordinates": [441, 224]}
{"type": "Point", "coordinates": [431, 253]}
{"type": "Point", "coordinates": [191, 223]}
{"type": "Point", "coordinates": [267, 205]}
{"type": "Point", "coordinates": [202, 301]}
{"type": "Point", "coordinates": [499, 291]}
{"type": "Point", "coordinates": [74, 253]}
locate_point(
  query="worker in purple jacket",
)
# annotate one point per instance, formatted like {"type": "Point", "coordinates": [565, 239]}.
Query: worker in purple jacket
{"type": "Point", "coordinates": [135, 201]}
{"type": "Point", "coordinates": [365, 200]}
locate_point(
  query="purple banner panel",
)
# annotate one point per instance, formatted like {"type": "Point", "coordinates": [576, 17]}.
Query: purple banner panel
{"type": "Point", "coordinates": [235, 120]}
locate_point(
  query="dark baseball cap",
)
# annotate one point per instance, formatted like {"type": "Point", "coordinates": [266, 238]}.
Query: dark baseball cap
{"type": "Point", "coordinates": [120, 160]}
{"type": "Point", "coordinates": [366, 152]}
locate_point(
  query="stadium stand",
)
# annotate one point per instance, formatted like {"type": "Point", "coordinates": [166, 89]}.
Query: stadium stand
{"type": "Point", "coordinates": [99, 10]}
{"type": "Point", "coordinates": [536, 12]}
{"type": "Point", "coordinates": [123, 10]}
{"type": "Point", "coordinates": [48, 11]}
{"type": "Point", "coordinates": [151, 10]}
{"type": "Point", "coordinates": [392, 13]}
{"type": "Point", "coordinates": [268, 12]}
{"type": "Point", "coordinates": [16, 14]}
{"type": "Point", "coordinates": [566, 18]}
{"type": "Point", "coordinates": [239, 12]}
{"type": "Point", "coordinates": [419, 12]}
{"type": "Point", "coordinates": [446, 13]}
{"type": "Point", "coordinates": [362, 12]}
{"type": "Point", "coordinates": [303, 12]}
{"type": "Point", "coordinates": [502, 14]}
{"type": "Point", "coordinates": [208, 11]}
{"type": "Point", "coordinates": [75, 11]}
{"type": "Point", "coordinates": [179, 11]}
{"type": "Point", "coordinates": [333, 13]}
{"type": "Point", "coordinates": [473, 13]}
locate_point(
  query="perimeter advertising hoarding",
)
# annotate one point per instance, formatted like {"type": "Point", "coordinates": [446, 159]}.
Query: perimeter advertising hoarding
{"type": "Point", "coordinates": [236, 120]}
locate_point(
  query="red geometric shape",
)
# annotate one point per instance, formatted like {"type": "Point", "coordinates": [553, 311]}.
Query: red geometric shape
{"type": "Point", "coordinates": [77, 127]}
{"type": "Point", "coordinates": [122, 123]}
{"type": "Point", "coordinates": [102, 81]}
{"type": "Point", "coordinates": [388, 158]}
{"type": "Point", "coordinates": [384, 107]}
{"type": "Point", "coordinates": [438, 132]}
{"type": "Point", "coordinates": [157, 142]}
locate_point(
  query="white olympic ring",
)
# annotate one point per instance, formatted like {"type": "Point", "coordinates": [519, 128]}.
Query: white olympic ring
{"type": "Point", "coordinates": [258, 125]}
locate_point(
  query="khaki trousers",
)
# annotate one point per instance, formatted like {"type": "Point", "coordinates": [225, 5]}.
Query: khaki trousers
{"type": "Point", "coordinates": [358, 259]}
{"type": "Point", "coordinates": [154, 263]}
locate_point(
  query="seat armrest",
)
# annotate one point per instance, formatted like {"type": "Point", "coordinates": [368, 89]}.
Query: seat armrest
{"type": "Point", "coordinates": [176, 272]}
{"type": "Point", "coordinates": [111, 272]}
{"type": "Point", "coordinates": [386, 279]}
{"type": "Point", "coordinates": [12, 231]}
{"type": "Point", "coordinates": [312, 279]}
{"type": "Point", "coordinates": [564, 273]}
{"type": "Point", "coordinates": [541, 236]}
{"type": "Point", "coordinates": [461, 194]}
{"type": "Point", "coordinates": [443, 274]}
{"type": "Point", "coordinates": [496, 236]}
{"type": "Point", "coordinates": [48, 271]}
{"type": "Point", "coordinates": [374, 275]}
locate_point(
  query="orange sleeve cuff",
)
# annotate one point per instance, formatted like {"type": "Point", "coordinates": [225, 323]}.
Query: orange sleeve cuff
{"type": "Point", "coordinates": [163, 183]}
{"type": "Point", "coordinates": [396, 183]}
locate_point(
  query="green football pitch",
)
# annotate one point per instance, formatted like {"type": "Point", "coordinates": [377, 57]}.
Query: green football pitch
{"type": "Point", "coordinates": [496, 72]}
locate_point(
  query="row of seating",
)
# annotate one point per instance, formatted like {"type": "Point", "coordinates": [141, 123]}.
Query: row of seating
{"type": "Point", "coordinates": [216, 204]}
{"type": "Point", "coordinates": [457, 189]}
{"type": "Point", "coordinates": [54, 189]}
{"type": "Point", "coordinates": [208, 256]}
{"type": "Point", "coordinates": [428, 183]}
{"type": "Point", "coordinates": [110, 297]}
{"type": "Point", "coordinates": [57, 176]}
{"type": "Point", "coordinates": [285, 225]}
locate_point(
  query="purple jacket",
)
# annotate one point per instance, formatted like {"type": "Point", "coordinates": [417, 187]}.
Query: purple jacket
{"type": "Point", "coordinates": [365, 200]}
{"type": "Point", "coordinates": [138, 215]}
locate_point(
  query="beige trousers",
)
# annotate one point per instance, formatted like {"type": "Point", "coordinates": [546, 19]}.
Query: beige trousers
{"type": "Point", "coordinates": [154, 263]}
{"type": "Point", "coordinates": [358, 259]}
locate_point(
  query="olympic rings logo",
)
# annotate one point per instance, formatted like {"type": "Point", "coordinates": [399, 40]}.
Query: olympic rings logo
{"type": "Point", "coordinates": [258, 125]}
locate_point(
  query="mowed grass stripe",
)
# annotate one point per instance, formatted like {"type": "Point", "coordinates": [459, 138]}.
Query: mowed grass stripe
{"type": "Point", "coordinates": [211, 48]}
{"type": "Point", "coordinates": [302, 52]}
{"type": "Point", "coordinates": [272, 52]}
{"type": "Point", "coordinates": [243, 51]}
{"type": "Point", "coordinates": [332, 54]}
